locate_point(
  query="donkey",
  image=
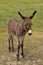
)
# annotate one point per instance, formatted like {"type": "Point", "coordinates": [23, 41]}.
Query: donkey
{"type": "Point", "coordinates": [19, 29]}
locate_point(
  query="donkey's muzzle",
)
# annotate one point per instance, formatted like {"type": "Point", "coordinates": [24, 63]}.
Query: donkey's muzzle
{"type": "Point", "coordinates": [30, 32]}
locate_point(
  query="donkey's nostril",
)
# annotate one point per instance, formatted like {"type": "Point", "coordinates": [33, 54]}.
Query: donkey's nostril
{"type": "Point", "coordinates": [30, 33]}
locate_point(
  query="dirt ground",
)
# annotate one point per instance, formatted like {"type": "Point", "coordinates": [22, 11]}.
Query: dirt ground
{"type": "Point", "coordinates": [33, 50]}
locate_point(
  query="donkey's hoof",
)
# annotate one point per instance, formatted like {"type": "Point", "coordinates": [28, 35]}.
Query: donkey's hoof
{"type": "Point", "coordinates": [12, 49]}
{"type": "Point", "coordinates": [23, 55]}
{"type": "Point", "coordinates": [9, 49]}
{"type": "Point", "coordinates": [18, 57]}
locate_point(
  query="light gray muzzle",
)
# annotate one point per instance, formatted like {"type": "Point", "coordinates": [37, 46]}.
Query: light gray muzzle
{"type": "Point", "coordinates": [30, 32]}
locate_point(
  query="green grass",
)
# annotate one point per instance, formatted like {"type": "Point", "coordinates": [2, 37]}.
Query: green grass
{"type": "Point", "coordinates": [10, 8]}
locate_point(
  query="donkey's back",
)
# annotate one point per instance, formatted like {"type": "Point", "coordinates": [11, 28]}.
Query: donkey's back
{"type": "Point", "coordinates": [12, 25]}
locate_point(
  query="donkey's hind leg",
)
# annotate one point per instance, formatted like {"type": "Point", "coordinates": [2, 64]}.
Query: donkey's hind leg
{"type": "Point", "coordinates": [9, 44]}
{"type": "Point", "coordinates": [12, 43]}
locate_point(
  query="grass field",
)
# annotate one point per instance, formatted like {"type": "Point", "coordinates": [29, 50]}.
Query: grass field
{"type": "Point", "coordinates": [33, 46]}
{"type": "Point", "coordinates": [10, 8]}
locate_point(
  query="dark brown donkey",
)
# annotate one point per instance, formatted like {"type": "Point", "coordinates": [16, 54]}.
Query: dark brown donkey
{"type": "Point", "coordinates": [19, 29]}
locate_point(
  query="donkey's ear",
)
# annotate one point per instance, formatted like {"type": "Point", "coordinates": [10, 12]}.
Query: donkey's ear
{"type": "Point", "coordinates": [33, 14]}
{"type": "Point", "coordinates": [23, 17]}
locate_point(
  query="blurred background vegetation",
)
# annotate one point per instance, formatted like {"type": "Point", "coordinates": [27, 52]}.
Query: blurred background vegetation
{"type": "Point", "coordinates": [10, 8]}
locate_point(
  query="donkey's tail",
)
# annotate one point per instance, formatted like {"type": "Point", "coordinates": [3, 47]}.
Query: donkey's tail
{"type": "Point", "coordinates": [21, 15]}
{"type": "Point", "coordinates": [33, 15]}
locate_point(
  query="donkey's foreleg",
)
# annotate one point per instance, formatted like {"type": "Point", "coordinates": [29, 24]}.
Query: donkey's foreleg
{"type": "Point", "coordinates": [21, 44]}
{"type": "Point", "coordinates": [22, 52]}
{"type": "Point", "coordinates": [18, 50]}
